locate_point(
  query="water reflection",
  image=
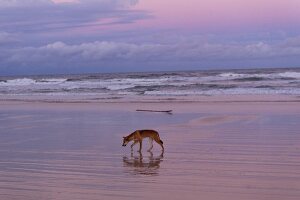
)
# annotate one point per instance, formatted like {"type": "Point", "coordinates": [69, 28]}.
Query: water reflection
{"type": "Point", "coordinates": [144, 165]}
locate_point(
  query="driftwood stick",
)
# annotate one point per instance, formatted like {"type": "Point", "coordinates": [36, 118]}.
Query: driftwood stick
{"type": "Point", "coordinates": [165, 111]}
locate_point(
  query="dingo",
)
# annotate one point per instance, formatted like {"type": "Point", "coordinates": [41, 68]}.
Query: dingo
{"type": "Point", "coordinates": [139, 135]}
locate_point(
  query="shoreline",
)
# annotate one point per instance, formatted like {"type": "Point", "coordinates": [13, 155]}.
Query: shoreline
{"type": "Point", "coordinates": [213, 105]}
{"type": "Point", "coordinates": [152, 99]}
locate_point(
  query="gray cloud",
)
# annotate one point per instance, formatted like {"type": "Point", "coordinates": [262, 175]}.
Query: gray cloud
{"type": "Point", "coordinates": [23, 3]}
{"type": "Point", "coordinates": [103, 54]}
{"type": "Point", "coordinates": [38, 3]}
{"type": "Point", "coordinates": [45, 15]}
{"type": "Point", "coordinates": [7, 38]}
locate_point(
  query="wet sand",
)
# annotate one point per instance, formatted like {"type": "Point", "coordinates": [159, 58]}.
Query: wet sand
{"type": "Point", "coordinates": [214, 150]}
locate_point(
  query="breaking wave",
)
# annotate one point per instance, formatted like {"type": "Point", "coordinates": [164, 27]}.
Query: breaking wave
{"type": "Point", "coordinates": [159, 83]}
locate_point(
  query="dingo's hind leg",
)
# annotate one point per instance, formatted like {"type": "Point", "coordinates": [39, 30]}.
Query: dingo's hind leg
{"type": "Point", "coordinates": [151, 144]}
{"type": "Point", "coordinates": [160, 142]}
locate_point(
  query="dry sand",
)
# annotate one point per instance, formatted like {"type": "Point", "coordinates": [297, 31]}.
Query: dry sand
{"type": "Point", "coordinates": [215, 150]}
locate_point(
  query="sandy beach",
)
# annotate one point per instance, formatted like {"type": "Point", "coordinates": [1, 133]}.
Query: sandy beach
{"type": "Point", "coordinates": [215, 150]}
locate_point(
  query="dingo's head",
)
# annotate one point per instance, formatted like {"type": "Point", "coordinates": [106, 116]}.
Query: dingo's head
{"type": "Point", "coordinates": [125, 141]}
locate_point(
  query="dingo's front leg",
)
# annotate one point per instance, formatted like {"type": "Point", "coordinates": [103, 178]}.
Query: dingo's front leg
{"type": "Point", "coordinates": [134, 143]}
{"type": "Point", "coordinates": [140, 150]}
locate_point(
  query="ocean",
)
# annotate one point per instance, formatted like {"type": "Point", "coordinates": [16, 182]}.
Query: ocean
{"type": "Point", "coordinates": [153, 84]}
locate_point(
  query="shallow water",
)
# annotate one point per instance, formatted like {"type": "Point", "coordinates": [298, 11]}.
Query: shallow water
{"type": "Point", "coordinates": [77, 154]}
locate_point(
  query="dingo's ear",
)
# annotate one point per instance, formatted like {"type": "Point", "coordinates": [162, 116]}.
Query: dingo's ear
{"type": "Point", "coordinates": [124, 137]}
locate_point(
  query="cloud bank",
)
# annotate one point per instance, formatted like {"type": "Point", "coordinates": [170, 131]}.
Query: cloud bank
{"type": "Point", "coordinates": [101, 54]}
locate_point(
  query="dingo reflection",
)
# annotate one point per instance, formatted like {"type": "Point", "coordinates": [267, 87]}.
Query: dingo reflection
{"type": "Point", "coordinates": [142, 165]}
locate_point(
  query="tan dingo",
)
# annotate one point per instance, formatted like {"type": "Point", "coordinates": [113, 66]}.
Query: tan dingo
{"type": "Point", "coordinates": [139, 135]}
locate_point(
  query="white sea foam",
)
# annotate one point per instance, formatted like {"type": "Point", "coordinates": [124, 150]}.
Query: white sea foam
{"type": "Point", "coordinates": [239, 76]}
{"type": "Point", "coordinates": [52, 80]}
{"type": "Point", "coordinates": [290, 75]}
{"type": "Point", "coordinates": [287, 74]}
{"type": "Point", "coordinates": [18, 82]}
{"type": "Point", "coordinates": [232, 75]}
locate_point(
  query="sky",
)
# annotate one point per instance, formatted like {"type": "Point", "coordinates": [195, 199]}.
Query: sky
{"type": "Point", "coordinates": [86, 36]}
